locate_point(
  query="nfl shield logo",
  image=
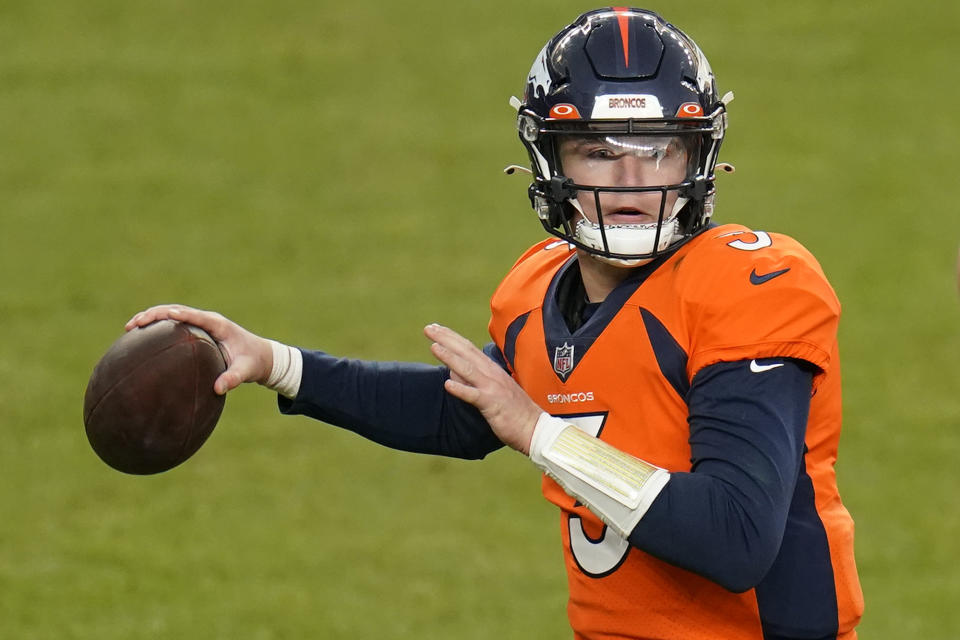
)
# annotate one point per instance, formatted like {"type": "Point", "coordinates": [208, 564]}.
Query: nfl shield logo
{"type": "Point", "coordinates": [563, 360]}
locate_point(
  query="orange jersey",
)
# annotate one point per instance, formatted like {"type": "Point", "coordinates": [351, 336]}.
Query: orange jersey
{"type": "Point", "coordinates": [729, 294]}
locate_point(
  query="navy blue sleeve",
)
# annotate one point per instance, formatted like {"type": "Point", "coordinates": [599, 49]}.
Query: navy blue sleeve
{"type": "Point", "coordinates": [725, 519]}
{"type": "Point", "coordinates": [401, 405]}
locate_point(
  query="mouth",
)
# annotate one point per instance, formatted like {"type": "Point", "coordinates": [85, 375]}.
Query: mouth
{"type": "Point", "coordinates": [628, 215]}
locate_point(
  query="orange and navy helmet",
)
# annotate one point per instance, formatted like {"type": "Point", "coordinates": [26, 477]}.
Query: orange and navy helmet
{"type": "Point", "coordinates": [622, 71]}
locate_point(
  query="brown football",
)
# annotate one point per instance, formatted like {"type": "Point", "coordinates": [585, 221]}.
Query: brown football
{"type": "Point", "coordinates": [150, 402]}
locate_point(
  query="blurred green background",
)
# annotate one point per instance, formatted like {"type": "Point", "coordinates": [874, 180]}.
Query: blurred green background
{"type": "Point", "coordinates": [329, 174]}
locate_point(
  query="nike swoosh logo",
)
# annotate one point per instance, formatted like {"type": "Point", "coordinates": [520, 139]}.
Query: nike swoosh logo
{"type": "Point", "coordinates": [756, 278]}
{"type": "Point", "coordinates": [760, 368]}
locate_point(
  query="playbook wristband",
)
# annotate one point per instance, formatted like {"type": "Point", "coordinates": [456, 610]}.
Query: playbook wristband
{"type": "Point", "coordinates": [287, 370]}
{"type": "Point", "coordinates": [614, 485]}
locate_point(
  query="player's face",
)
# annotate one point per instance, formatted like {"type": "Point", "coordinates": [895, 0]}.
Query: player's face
{"type": "Point", "coordinates": [625, 161]}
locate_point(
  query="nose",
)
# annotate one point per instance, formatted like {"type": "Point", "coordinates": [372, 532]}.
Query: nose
{"type": "Point", "coordinates": [631, 171]}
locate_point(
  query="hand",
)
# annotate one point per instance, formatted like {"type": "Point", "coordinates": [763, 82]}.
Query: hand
{"type": "Point", "coordinates": [249, 357]}
{"type": "Point", "coordinates": [477, 379]}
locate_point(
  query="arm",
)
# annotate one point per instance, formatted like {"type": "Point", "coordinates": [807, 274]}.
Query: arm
{"type": "Point", "coordinates": [400, 405]}
{"type": "Point", "coordinates": [725, 518]}
{"type": "Point", "coordinates": [397, 404]}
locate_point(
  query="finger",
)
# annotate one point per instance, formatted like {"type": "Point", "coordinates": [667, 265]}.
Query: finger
{"type": "Point", "coordinates": [459, 366]}
{"type": "Point", "coordinates": [462, 391]}
{"type": "Point", "coordinates": [151, 315]}
{"type": "Point", "coordinates": [451, 339]}
{"type": "Point", "coordinates": [138, 320]}
{"type": "Point", "coordinates": [213, 323]}
{"type": "Point", "coordinates": [458, 352]}
{"type": "Point", "coordinates": [241, 370]}
{"type": "Point", "coordinates": [228, 380]}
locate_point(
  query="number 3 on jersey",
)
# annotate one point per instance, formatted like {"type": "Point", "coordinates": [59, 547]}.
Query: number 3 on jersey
{"type": "Point", "coordinates": [761, 240]}
{"type": "Point", "coordinates": [596, 557]}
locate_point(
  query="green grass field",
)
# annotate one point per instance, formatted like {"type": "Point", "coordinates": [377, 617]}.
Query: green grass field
{"type": "Point", "coordinates": [329, 174]}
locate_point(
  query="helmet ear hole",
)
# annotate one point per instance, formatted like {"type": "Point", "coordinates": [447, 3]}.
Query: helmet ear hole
{"type": "Point", "coordinates": [551, 213]}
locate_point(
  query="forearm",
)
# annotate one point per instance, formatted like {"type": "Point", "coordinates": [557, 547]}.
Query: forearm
{"type": "Point", "coordinates": [399, 405]}
{"type": "Point", "coordinates": [710, 527]}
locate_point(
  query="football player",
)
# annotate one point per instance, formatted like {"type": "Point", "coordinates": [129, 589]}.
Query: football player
{"type": "Point", "coordinates": [676, 380]}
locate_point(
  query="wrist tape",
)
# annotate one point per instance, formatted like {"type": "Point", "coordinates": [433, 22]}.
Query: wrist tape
{"type": "Point", "coordinates": [614, 485]}
{"type": "Point", "coordinates": [287, 370]}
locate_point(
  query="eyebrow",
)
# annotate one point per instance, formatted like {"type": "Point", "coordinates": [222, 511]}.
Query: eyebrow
{"type": "Point", "coordinates": [577, 143]}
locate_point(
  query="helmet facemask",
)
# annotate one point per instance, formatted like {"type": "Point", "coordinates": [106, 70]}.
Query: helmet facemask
{"type": "Point", "coordinates": [581, 194]}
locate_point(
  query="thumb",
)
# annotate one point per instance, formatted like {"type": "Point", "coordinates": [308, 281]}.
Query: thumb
{"type": "Point", "coordinates": [229, 379]}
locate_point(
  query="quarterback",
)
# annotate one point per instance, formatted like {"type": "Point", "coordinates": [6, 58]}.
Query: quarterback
{"type": "Point", "coordinates": [676, 380]}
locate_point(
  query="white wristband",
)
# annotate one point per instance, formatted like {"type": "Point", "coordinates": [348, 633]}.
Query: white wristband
{"type": "Point", "coordinates": [287, 370]}
{"type": "Point", "coordinates": [616, 486]}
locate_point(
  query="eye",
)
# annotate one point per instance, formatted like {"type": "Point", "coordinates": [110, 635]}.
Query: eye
{"type": "Point", "coordinates": [600, 153]}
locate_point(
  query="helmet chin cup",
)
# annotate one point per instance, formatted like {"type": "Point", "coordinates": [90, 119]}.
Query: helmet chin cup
{"type": "Point", "coordinates": [612, 241]}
